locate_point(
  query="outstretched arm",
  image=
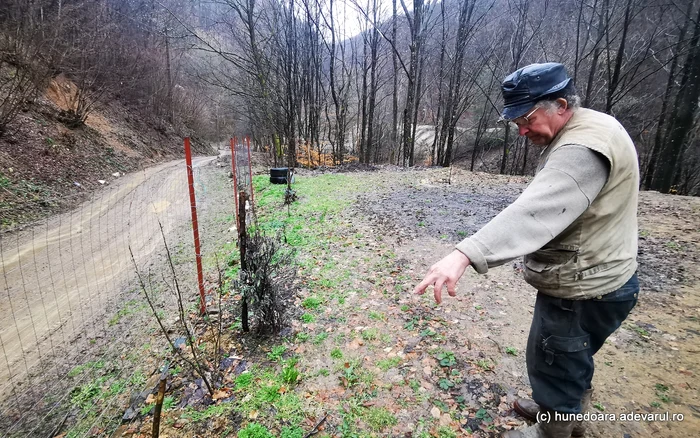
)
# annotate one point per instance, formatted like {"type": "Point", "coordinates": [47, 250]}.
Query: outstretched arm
{"type": "Point", "coordinates": [570, 180]}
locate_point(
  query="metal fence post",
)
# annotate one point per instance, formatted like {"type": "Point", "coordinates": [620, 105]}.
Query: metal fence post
{"type": "Point", "coordinates": [195, 227]}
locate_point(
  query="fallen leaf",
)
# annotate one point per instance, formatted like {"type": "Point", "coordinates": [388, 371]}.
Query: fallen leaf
{"type": "Point", "coordinates": [220, 394]}
{"type": "Point", "coordinates": [445, 420]}
{"type": "Point", "coordinates": [150, 399]}
{"type": "Point", "coordinates": [435, 412]}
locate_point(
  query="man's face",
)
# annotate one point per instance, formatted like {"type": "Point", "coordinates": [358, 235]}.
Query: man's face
{"type": "Point", "coordinates": [539, 126]}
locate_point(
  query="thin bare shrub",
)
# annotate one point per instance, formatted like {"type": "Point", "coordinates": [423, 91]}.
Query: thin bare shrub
{"type": "Point", "coordinates": [20, 79]}
{"type": "Point", "coordinates": [267, 282]}
{"type": "Point", "coordinates": [203, 364]}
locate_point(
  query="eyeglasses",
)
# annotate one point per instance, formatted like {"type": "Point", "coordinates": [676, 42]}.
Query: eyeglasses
{"type": "Point", "coordinates": [524, 120]}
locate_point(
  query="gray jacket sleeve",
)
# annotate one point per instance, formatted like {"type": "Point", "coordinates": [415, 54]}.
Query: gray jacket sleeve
{"type": "Point", "coordinates": [564, 188]}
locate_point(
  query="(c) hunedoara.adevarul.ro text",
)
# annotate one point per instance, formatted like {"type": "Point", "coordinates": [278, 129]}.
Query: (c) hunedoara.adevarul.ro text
{"type": "Point", "coordinates": [546, 417]}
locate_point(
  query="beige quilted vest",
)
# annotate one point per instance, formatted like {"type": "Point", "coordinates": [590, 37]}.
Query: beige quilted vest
{"type": "Point", "coordinates": [598, 252]}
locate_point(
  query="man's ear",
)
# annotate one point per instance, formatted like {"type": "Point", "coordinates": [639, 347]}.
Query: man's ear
{"type": "Point", "coordinates": [563, 105]}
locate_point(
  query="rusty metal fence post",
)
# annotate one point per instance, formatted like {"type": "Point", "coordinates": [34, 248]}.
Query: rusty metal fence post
{"type": "Point", "coordinates": [195, 227]}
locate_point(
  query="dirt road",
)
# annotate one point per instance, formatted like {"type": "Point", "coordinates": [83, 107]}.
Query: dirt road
{"type": "Point", "coordinates": [60, 276]}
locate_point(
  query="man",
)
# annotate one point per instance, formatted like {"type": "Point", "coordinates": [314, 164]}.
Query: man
{"type": "Point", "coordinates": [576, 225]}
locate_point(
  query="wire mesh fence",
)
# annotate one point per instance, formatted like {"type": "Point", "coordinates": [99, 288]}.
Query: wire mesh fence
{"type": "Point", "coordinates": [242, 170]}
{"type": "Point", "coordinates": [74, 323]}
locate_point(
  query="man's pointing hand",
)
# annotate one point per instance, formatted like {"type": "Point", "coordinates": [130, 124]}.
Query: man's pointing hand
{"type": "Point", "coordinates": [445, 272]}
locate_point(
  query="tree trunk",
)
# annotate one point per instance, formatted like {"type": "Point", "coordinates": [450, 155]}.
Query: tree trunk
{"type": "Point", "coordinates": [659, 138]}
{"type": "Point", "coordinates": [683, 113]}
{"type": "Point", "coordinates": [597, 50]}
{"type": "Point", "coordinates": [614, 81]}
{"type": "Point", "coordinates": [504, 159]}
{"type": "Point", "coordinates": [395, 94]}
{"type": "Point", "coordinates": [454, 91]}
{"type": "Point", "coordinates": [374, 47]}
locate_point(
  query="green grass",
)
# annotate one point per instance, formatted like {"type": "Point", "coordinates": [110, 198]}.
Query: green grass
{"type": "Point", "coordinates": [640, 331]}
{"type": "Point", "coordinates": [484, 364]}
{"type": "Point", "coordinates": [311, 225]}
{"type": "Point", "coordinates": [673, 245]}
{"type": "Point", "coordinates": [243, 380]}
{"type": "Point", "coordinates": [102, 385]}
{"type": "Point", "coordinates": [145, 410]}
{"type": "Point", "coordinates": [255, 430]}
{"type": "Point", "coordinates": [318, 340]}
{"type": "Point", "coordinates": [292, 432]}
{"type": "Point", "coordinates": [169, 402]}
{"type": "Point", "coordinates": [377, 316]}
{"type": "Point", "coordinates": [276, 352]}
{"type": "Point", "coordinates": [370, 334]}
{"type": "Point", "coordinates": [386, 364]}
{"type": "Point", "coordinates": [290, 374]}
{"type": "Point", "coordinates": [268, 391]}
{"type": "Point", "coordinates": [446, 432]}
{"type": "Point", "coordinates": [379, 419]}
{"type": "Point", "coordinates": [196, 416]}
{"type": "Point", "coordinates": [84, 396]}
{"type": "Point", "coordinates": [312, 303]}
{"type": "Point", "coordinates": [315, 211]}
{"type": "Point", "coordinates": [512, 351]}
{"type": "Point", "coordinates": [661, 387]}
{"type": "Point", "coordinates": [87, 366]}
{"type": "Point", "coordinates": [351, 372]}
{"type": "Point", "coordinates": [661, 392]}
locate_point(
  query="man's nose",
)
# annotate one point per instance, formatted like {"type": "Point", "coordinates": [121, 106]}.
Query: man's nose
{"type": "Point", "coordinates": [522, 130]}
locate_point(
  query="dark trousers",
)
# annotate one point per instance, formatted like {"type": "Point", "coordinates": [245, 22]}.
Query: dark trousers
{"type": "Point", "coordinates": [564, 336]}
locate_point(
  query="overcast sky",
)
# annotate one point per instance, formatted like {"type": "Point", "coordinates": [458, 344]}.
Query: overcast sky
{"type": "Point", "coordinates": [351, 21]}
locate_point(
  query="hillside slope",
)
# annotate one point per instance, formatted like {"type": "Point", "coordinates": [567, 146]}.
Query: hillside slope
{"type": "Point", "coordinates": [46, 167]}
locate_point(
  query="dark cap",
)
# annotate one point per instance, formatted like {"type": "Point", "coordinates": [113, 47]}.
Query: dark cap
{"type": "Point", "coordinates": [523, 88]}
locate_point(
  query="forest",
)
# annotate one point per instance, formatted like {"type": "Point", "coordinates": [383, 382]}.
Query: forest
{"type": "Point", "coordinates": [406, 83]}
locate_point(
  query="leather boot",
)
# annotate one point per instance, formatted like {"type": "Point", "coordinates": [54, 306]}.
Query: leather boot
{"type": "Point", "coordinates": [553, 429]}
{"type": "Point", "coordinates": [528, 409]}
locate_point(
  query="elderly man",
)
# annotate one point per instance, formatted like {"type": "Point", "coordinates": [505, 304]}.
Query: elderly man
{"type": "Point", "coordinates": [576, 225]}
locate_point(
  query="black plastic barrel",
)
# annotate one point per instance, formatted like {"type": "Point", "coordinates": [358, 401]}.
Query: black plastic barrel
{"type": "Point", "coordinates": [278, 175]}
